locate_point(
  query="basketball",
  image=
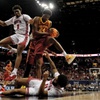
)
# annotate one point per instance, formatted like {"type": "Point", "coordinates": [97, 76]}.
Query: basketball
{"type": "Point", "coordinates": [53, 32]}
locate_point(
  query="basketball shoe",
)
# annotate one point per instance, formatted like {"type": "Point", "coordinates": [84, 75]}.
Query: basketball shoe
{"type": "Point", "coordinates": [12, 51]}
{"type": "Point", "coordinates": [70, 58]}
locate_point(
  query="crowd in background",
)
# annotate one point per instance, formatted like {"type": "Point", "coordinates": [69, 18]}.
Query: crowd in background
{"type": "Point", "coordinates": [77, 71]}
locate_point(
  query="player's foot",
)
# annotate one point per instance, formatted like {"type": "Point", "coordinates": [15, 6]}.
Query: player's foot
{"type": "Point", "coordinates": [11, 77]}
{"type": "Point", "coordinates": [70, 58]}
{"type": "Point", "coordinates": [12, 51]}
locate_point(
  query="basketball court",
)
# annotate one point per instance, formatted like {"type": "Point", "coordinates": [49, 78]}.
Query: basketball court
{"type": "Point", "coordinates": [89, 95]}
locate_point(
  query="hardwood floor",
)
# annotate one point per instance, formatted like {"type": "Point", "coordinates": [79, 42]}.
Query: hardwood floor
{"type": "Point", "coordinates": [69, 96]}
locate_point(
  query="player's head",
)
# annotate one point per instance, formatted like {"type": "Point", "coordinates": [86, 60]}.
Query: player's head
{"type": "Point", "coordinates": [47, 13]}
{"type": "Point", "coordinates": [61, 80]}
{"type": "Point", "coordinates": [8, 62]}
{"type": "Point", "coordinates": [17, 10]}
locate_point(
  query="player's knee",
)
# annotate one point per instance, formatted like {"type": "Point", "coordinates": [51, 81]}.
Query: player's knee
{"type": "Point", "coordinates": [39, 65]}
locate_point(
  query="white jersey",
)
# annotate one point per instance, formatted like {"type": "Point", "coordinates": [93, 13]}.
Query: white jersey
{"type": "Point", "coordinates": [21, 25]}
{"type": "Point", "coordinates": [34, 85]}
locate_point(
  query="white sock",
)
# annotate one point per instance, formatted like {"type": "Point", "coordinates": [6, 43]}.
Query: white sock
{"type": "Point", "coordinates": [14, 72]}
{"type": "Point", "coordinates": [0, 92]}
{"type": "Point", "coordinates": [64, 53]}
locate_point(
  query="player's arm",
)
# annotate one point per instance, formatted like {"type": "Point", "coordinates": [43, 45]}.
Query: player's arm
{"type": "Point", "coordinates": [52, 64]}
{"type": "Point", "coordinates": [2, 23]}
{"type": "Point", "coordinates": [31, 21]}
{"type": "Point", "coordinates": [7, 22]}
{"type": "Point", "coordinates": [42, 91]}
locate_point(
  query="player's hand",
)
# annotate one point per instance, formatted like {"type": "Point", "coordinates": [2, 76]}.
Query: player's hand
{"type": "Point", "coordinates": [45, 75]}
{"type": "Point", "coordinates": [46, 54]}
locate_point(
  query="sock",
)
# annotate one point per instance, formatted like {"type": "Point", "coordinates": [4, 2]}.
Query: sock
{"type": "Point", "coordinates": [14, 72]}
{"type": "Point", "coordinates": [64, 53]}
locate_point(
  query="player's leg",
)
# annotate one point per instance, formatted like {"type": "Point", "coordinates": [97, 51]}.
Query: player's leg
{"type": "Point", "coordinates": [27, 70]}
{"type": "Point", "coordinates": [69, 58]}
{"type": "Point", "coordinates": [14, 91]}
{"type": "Point", "coordinates": [6, 42]}
{"type": "Point", "coordinates": [21, 41]}
{"type": "Point", "coordinates": [39, 64]}
{"type": "Point", "coordinates": [29, 62]}
{"type": "Point", "coordinates": [21, 81]}
{"type": "Point", "coordinates": [18, 82]}
{"type": "Point", "coordinates": [13, 75]}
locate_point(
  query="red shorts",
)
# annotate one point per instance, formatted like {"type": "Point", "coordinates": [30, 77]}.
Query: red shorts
{"type": "Point", "coordinates": [36, 49]}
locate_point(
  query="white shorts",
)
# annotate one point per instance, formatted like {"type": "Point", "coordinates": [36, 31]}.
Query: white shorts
{"type": "Point", "coordinates": [20, 39]}
{"type": "Point", "coordinates": [34, 86]}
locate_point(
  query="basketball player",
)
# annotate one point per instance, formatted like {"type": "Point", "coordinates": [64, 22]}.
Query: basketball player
{"type": "Point", "coordinates": [40, 29]}
{"type": "Point", "coordinates": [41, 41]}
{"type": "Point", "coordinates": [53, 87]}
{"type": "Point", "coordinates": [21, 23]}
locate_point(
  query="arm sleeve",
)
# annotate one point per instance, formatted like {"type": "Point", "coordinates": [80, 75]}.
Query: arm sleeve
{"type": "Point", "coordinates": [9, 21]}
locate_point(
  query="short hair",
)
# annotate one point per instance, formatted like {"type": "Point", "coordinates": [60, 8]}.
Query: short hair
{"type": "Point", "coordinates": [7, 62]}
{"type": "Point", "coordinates": [62, 80]}
{"type": "Point", "coordinates": [16, 7]}
{"type": "Point", "coordinates": [47, 11]}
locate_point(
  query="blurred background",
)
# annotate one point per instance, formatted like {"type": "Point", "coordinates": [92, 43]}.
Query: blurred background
{"type": "Point", "coordinates": [78, 21]}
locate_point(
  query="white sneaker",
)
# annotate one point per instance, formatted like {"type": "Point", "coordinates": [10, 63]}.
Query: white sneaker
{"type": "Point", "coordinates": [70, 58]}
{"type": "Point", "coordinates": [12, 51]}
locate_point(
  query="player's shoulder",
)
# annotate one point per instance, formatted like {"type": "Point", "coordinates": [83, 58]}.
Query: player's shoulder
{"type": "Point", "coordinates": [36, 17]}
{"type": "Point", "coordinates": [13, 17]}
{"type": "Point", "coordinates": [50, 22]}
{"type": "Point", "coordinates": [25, 15]}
